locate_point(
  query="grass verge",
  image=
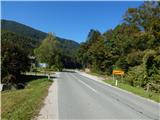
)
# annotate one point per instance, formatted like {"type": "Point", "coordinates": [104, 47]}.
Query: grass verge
{"type": "Point", "coordinates": [24, 104]}
{"type": "Point", "coordinates": [136, 90]}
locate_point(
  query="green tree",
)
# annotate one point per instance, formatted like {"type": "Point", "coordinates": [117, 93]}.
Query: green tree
{"type": "Point", "coordinates": [58, 62]}
{"type": "Point", "coordinates": [86, 54]}
{"type": "Point", "coordinates": [14, 60]}
{"type": "Point", "coordinates": [49, 51]}
{"type": "Point", "coordinates": [132, 46]}
{"type": "Point", "coordinates": [147, 19]}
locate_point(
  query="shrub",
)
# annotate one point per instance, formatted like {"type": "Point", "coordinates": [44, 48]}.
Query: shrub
{"type": "Point", "coordinates": [136, 76]}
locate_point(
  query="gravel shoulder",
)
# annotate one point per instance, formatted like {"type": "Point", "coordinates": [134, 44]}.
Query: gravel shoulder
{"type": "Point", "coordinates": [50, 108]}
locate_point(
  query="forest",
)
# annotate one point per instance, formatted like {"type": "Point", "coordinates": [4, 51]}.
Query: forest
{"type": "Point", "coordinates": [18, 50]}
{"type": "Point", "coordinates": [132, 46]}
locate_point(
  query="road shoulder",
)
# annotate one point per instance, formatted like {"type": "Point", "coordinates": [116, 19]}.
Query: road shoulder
{"type": "Point", "coordinates": [50, 108]}
{"type": "Point", "coordinates": [100, 80]}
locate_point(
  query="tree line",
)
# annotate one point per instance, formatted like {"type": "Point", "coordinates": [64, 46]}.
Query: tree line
{"type": "Point", "coordinates": [133, 46]}
{"type": "Point", "coordinates": [18, 51]}
{"type": "Point", "coordinates": [51, 52]}
{"type": "Point", "coordinates": [15, 51]}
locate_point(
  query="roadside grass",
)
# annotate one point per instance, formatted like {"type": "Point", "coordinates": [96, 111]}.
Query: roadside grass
{"type": "Point", "coordinates": [24, 104]}
{"type": "Point", "coordinates": [136, 90]}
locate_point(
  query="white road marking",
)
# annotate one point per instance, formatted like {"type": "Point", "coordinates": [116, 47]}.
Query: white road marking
{"type": "Point", "coordinates": [85, 84]}
{"type": "Point", "coordinates": [88, 86]}
{"type": "Point", "coordinates": [92, 77]}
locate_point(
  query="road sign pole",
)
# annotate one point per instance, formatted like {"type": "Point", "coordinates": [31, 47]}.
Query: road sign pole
{"type": "Point", "coordinates": [48, 76]}
{"type": "Point", "coordinates": [117, 72]}
{"type": "Point", "coordinates": [116, 82]}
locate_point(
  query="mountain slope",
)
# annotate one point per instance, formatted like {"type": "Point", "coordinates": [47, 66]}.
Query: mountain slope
{"type": "Point", "coordinates": [22, 29]}
{"type": "Point", "coordinates": [68, 46]}
{"type": "Point", "coordinates": [24, 42]}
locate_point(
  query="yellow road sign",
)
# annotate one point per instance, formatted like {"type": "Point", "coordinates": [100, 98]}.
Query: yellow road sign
{"type": "Point", "coordinates": [118, 72]}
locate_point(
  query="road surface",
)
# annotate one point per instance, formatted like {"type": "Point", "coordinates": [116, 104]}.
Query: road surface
{"type": "Point", "coordinates": [80, 97]}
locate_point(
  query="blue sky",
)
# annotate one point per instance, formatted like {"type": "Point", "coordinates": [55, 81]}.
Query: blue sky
{"type": "Point", "coordinates": [71, 20]}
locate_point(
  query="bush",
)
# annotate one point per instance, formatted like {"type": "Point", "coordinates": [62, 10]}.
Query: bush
{"type": "Point", "coordinates": [136, 76]}
{"type": "Point", "coordinates": [148, 73]}
{"type": "Point", "coordinates": [54, 68]}
{"type": "Point", "coordinates": [134, 58]}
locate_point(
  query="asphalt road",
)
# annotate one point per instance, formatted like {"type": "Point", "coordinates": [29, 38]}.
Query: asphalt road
{"type": "Point", "coordinates": [80, 97]}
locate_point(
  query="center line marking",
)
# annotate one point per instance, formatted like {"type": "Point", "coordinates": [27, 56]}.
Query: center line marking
{"type": "Point", "coordinates": [85, 84]}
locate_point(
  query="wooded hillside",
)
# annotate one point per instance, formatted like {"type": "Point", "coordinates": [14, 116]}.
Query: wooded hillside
{"type": "Point", "coordinates": [133, 46]}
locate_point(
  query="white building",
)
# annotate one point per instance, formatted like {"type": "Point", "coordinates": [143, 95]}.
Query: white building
{"type": "Point", "coordinates": [43, 65]}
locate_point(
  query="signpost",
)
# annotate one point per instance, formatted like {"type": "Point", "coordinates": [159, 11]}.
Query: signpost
{"type": "Point", "coordinates": [117, 72]}
{"type": "Point", "coordinates": [48, 76]}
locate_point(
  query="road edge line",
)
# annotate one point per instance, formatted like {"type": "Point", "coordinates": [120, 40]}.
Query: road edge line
{"type": "Point", "coordinates": [102, 82]}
